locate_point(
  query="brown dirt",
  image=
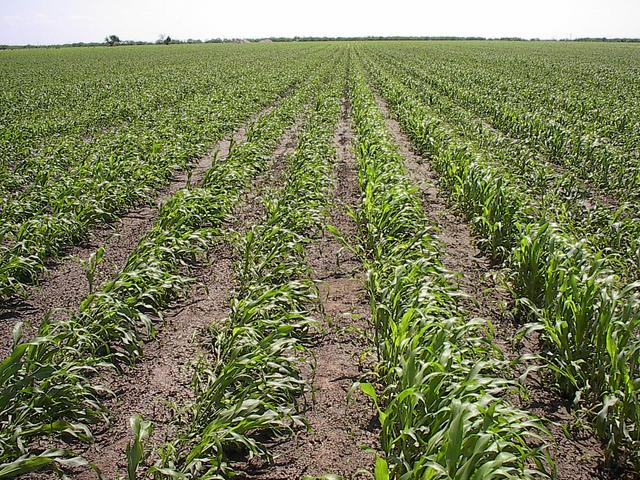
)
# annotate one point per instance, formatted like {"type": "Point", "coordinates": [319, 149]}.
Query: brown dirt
{"type": "Point", "coordinates": [338, 427]}
{"type": "Point", "coordinates": [252, 209]}
{"type": "Point", "coordinates": [580, 458]}
{"type": "Point", "coordinates": [161, 381]}
{"type": "Point", "coordinates": [64, 284]}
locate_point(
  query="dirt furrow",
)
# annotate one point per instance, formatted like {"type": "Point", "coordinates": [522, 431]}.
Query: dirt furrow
{"type": "Point", "coordinates": [64, 285]}
{"type": "Point", "coordinates": [578, 458]}
{"type": "Point", "coordinates": [161, 381]}
{"type": "Point", "coordinates": [251, 210]}
{"type": "Point", "coordinates": [339, 428]}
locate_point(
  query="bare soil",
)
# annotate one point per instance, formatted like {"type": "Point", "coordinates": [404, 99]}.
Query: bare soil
{"type": "Point", "coordinates": [578, 458]}
{"type": "Point", "coordinates": [161, 382]}
{"type": "Point", "coordinates": [63, 286]}
{"type": "Point", "coordinates": [251, 210]}
{"type": "Point", "coordinates": [340, 428]}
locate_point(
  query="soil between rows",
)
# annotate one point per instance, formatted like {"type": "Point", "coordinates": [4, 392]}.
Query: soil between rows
{"type": "Point", "coordinates": [339, 428]}
{"type": "Point", "coordinates": [580, 458]}
{"type": "Point", "coordinates": [252, 210]}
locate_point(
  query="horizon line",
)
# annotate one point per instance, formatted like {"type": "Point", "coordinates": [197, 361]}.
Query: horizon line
{"type": "Point", "coordinates": [282, 39]}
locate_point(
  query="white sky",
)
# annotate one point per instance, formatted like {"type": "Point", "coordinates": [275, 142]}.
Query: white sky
{"type": "Point", "coordinates": [65, 21]}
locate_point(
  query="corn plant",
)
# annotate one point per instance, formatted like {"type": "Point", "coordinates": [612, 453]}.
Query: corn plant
{"type": "Point", "coordinates": [439, 403]}
{"type": "Point", "coordinates": [137, 144]}
{"type": "Point", "coordinates": [249, 387]}
{"type": "Point", "coordinates": [49, 385]}
{"type": "Point", "coordinates": [587, 316]}
{"type": "Point", "coordinates": [90, 265]}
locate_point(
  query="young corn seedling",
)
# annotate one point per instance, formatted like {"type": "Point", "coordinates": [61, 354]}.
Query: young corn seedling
{"type": "Point", "coordinates": [90, 265]}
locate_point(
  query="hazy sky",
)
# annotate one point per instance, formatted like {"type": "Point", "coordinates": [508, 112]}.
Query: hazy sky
{"type": "Point", "coordinates": [63, 21]}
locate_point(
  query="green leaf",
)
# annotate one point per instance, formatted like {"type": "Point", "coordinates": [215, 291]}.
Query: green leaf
{"type": "Point", "coordinates": [381, 471]}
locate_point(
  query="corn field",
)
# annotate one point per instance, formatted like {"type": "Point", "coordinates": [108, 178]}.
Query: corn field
{"type": "Point", "coordinates": [320, 260]}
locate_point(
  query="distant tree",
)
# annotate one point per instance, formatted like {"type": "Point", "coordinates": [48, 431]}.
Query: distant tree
{"type": "Point", "coordinates": [162, 38]}
{"type": "Point", "coordinates": [112, 40]}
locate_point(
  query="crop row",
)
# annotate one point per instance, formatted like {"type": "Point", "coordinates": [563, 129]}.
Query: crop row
{"type": "Point", "coordinates": [52, 97]}
{"type": "Point", "coordinates": [587, 321]}
{"type": "Point", "coordinates": [79, 185]}
{"type": "Point", "coordinates": [440, 409]}
{"type": "Point", "coordinates": [38, 164]}
{"type": "Point", "coordinates": [248, 389]}
{"type": "Point", "coordinates": [556, 195]}
{"type": "Point", "coordinates": [49, 384]}
{"type": "Point", "coordinates": [595, 135]}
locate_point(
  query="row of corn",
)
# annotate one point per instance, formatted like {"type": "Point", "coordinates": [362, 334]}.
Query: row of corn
{"type": "Point", "coordinates": [587, 318]}
{"type": "Point", "coordinates": [440, 402]}
{"type": "Point", "coordinates": [50, 389]}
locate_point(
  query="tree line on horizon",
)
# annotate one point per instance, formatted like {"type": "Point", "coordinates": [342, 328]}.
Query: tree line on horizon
{"type": "Point", "coordinates": [114, 40]}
